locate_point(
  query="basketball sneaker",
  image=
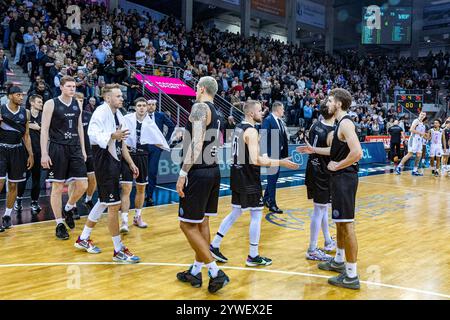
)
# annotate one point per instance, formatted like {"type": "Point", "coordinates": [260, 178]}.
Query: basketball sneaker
{"type": "Point", "coordinates": [258, 261]}
{"type": "Point", "coordinates": [187, 276]}
{"type": "Point", "coordinates": [68, 217]}
{"type": "Point", "coordinates": [217, 254]}
{"type": "Point", "coordinates": [6, 221]}
{"type": "Point", "coordinates": [317, 255]}
{"type": "Point", "coordinates": [332, 265]}
{"type": "Point", "coordinates": [35, 207]}
{"type": "Point", "coordinates": [61, 232]}
{"type": "Point", "coordinates": [125, 256]}
{"type": "Point", "coordinates": [330, 247]}
{"type": "Point", "coordinates": [18, 205]}
{"type": "Point", "coordinates": [344, 281]}
{"type": "Point", "coordinates": [217, 283]}
{"type": "Point", "coordinates": [2, 229]}
{"type": "Point", "coordinates": [398, 170]}
{"type": "Point", "coordinates": [138, 222]}
{"type": "Point", "coordinates": [417, 174]}
{"type": "Point", "coordinates": [76, 216]}
{"type": "Point", "coordinates": [436, 173]}
{"type": "Point", "coordinates": [87, 245]}
{"type": "Point", "coordinates": [124, 227]}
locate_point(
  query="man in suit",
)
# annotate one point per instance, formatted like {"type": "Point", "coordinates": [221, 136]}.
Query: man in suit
{"type": "Point", "coordinates": [273, 125]}
{"type": "Point", "coordinates": [154, 153]}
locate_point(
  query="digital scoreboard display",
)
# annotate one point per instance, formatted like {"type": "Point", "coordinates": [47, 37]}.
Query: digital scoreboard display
{"type": "Point", "coordinates": [386, 25]}
{"type": "Point", "coordinates": [411, 102]}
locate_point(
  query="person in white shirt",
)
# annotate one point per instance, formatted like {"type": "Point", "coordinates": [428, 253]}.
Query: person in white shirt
{"type": "Point", "coordinates": [140, 57]}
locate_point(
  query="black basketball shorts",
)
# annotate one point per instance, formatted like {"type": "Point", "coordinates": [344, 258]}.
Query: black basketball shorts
{"type": "Point", "coordinates": [247, 201]}
{"type": "Point", "coordinates": [13, 163]}
{"type": "Point", "coordinates": [67, 163]}
{"type": "Point", "coordinates": [141, 162]}
{"type": "Point", "coordinates": [107, 174]}
{"type": "Point", "coordinates": [317, 184]}
{"type": "Point", "coordinates": [201, 195]}
{"type": "Point", "coordinates": [343, 196]}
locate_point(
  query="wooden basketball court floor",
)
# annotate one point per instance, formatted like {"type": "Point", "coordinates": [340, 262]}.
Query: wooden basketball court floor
{"type": "Point", "coordinates": [402, 225]}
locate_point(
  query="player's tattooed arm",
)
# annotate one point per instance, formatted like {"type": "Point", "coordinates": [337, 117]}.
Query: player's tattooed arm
{"type": "Point", "coordinates": [198, 117]}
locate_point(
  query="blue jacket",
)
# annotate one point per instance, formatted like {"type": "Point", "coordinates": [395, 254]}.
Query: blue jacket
{"type": "Point", "coordinates": [269, 124]}
{"type": "Point", "coordinates": [162, 119]}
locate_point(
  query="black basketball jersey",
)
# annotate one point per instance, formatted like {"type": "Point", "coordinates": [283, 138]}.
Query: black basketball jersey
{"type": "Point", "coordinates": [318, 135]}
{"type": "Point", "coordinates": [140, 150]}
{"type": "Point", "coordinates": [245, 176]}
{"type": "Point", "coordinates": [35, 135]}
{"type": "Point", "coordinates": [340, 149]}
{"type": "Point", "coordinates": [118, 143]}
{"type": "Point", "coordinates": [447, 138]}
{"type": "Point", "coordinates": [209, 156]}
{"type": "Point", "coordinates": [13, 125]}
{"type": "Point", "coordinates": [64, 123]}
{"type": "Point", "coordinates": [86, 118]}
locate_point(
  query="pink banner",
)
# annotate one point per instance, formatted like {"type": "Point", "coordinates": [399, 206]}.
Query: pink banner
{"type": "Point", "coordinates": [170, 86]}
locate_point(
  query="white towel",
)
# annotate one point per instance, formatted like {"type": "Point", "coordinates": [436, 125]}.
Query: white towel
{"type": "Point", "coordinates": [102, 126]}
{"type": "Point", "coordinates": [150, 133]}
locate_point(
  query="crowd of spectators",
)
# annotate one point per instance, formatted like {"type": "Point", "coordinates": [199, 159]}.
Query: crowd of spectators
{"type": "Point", "coordinates": [35, 32]}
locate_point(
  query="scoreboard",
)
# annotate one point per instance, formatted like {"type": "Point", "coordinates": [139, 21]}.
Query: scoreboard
{"type": "Point", "coordinates": [386, 25]}
{"type": "Point", "coordinates": [410, 102]}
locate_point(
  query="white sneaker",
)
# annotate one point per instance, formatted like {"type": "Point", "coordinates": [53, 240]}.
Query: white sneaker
{"type": "Point", "coordinates": [318, 255]}
{"type": "Point", "coordinates": [124, 227]}
{"type": "Point", "coordinates": [330, 247]}
{"type": "Point", "coordinates": [138, 222]}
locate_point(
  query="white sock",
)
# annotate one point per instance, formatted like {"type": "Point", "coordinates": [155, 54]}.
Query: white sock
{"type": "Point", "coordinates": [68, 206]}
{"type": "Point", "coordinates": [88, 198]}
{"type": "Point", "coordinates": [86, 233]}
{"type": "Point", "coordinates": [213, 269]}
{"type": "Point", "coordinates": [314, 228]}
{"type": "Point", "coordinates": [225, 226]}
{"type": "Point", "coordinates": [255, 231]}
{"type": "Point", "coordinates": [325, 229]}
{"type": "Point", "coordinates": [137, 213]}
{"type": "Point", "coordinates": [125, 217]}
{"type": "Point", "coordinates": [196, 267]}
{"type": "Point", "coordinates": [400, 165]}
{"type": "Point", "coordinates": [351, 270]}
{"type": "Point", "coordinates": [8, 212]}
{"type": "Point", "coordinates": [59, 220]}
{"type": "Point", "coordinates": [415, 169]}
{"type": "Point", "coordinates": [340, 255]}
{"type": "Point", "coordinates": [117, 243]}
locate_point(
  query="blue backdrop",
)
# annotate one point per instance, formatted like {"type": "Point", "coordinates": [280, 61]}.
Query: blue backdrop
{"type": "Point", "coordinates": [373, 152]}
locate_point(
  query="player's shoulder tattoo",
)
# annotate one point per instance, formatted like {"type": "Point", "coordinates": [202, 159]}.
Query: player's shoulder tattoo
{"type": "Point", "coordinates": [199, 112]}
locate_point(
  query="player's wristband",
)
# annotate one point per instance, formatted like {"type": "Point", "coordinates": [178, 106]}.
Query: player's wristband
{"type": "Point", "coordinates": [183, 173]}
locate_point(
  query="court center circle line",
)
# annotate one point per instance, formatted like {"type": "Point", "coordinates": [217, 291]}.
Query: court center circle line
{"type": "Point", "coordinates": [293, 273]}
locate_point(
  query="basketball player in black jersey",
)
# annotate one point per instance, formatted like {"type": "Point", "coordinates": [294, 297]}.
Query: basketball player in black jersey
{"type": "Point", "coordinates": [317, 183]}
{"type": "Point", "coordinates": [445, 161]}
{"type": "Point", "coordinates": [14, 161]}
{"type": "Point", "coordinates": [65, 156]}
{"type": "Point", "coordinates": [139, 154]}
{"type": "Point", "coordinates": [345, 152]}
{"type": "Point", "coordinates": [199, 183]}
{"type": "Point", "coordinates": [246, 183]}
{"type": "Point", "coordinates": [107, 136]}
{"type": "Point", "coordinates": [92, 183]}
{"type": "Point", "coordinates": [36, 103]}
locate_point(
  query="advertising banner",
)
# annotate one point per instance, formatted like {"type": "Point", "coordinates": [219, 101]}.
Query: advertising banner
{"type": "Point", "coordinates": [311, 13]}
{"type": "Point", "coordinates": [168, 170]}
{"type": "Point", "coordinates": [275, 7]}
{"type": "Point", "coordinates": [170, 86]}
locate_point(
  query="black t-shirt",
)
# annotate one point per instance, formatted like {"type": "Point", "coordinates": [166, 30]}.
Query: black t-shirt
{"type": "Point", "coordinates": [396, 134]}
{"type": "Point", "coordinates": [35, 135]}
